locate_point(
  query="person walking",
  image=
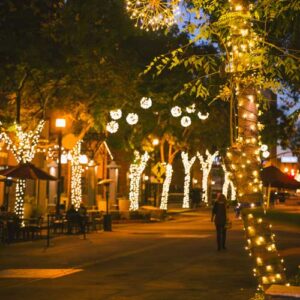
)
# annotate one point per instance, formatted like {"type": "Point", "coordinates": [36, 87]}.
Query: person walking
{"type": "Point", "coordinates": [219, 216]}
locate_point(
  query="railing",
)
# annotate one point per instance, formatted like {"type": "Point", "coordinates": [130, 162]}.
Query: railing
{"type": "Point", "coordinates": [13, 229]}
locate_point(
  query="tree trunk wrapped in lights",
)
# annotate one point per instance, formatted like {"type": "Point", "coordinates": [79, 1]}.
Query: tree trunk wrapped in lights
{"type": "Point", "coordinates": [187, 178]}
{"type": "Point", "coordinates": [23, 148]}
{"type": "Point", "coordinates": [166, 187]}
{"type": "Point", "coordinates": [76, 172]}
{"type": "Point", "coordinates": [135, 173]}
{"type": "Point", "coordinates": [228, 183]}
{"type": "Point", "coordinates": [243, 157]}
{"type": "Point", "coordinates": [206, 167]}
{"type": "Point", "coordinates": [268, 265]}
{"type": "Point", "coordinates": [167, 150]}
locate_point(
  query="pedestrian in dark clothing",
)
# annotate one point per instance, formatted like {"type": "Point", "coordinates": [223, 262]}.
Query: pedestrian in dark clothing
{"type": "Point", "coordinates": [195, 196]}
{"type": "Point", "coordinates": [219, 216]}
{"type": "Point", "coordinates": [82, 217]}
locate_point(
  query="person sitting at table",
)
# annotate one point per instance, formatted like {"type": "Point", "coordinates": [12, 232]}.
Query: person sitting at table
{"type": "Point", "coordinates": [72, 218]}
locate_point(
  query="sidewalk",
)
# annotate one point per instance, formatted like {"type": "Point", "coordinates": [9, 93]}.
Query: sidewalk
{"type": "Point", "coordinates": [175, 260]}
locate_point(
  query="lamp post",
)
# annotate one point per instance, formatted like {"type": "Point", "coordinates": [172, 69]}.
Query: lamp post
{"type": "Point", "coordinates": [60, 124]}
{"type": "Point", "coordinates": [155, 142]}
{"type": "Point", "coordinates": [107, 222]}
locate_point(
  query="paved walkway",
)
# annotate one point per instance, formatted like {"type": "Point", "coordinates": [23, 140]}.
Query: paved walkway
{"type": "Point", "coordinates": [159, 261]}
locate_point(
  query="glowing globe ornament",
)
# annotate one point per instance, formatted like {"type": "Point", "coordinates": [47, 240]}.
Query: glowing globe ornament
{"type": "Point", "coordinates": [186, 121]}
{"type": "Point", "coordinates": [116, 114]}
{"type": "Point", "coordinates": [146, 103]}
{"type": "Point", "coordinates": [201, 116]}
{"type": "Point", "coordinates": [176, 111]}
{"type": "Point", "coordinates": [112, 126]}
{"type": "Point", "coordinates": [191, 109]}
{"type": "Point", "coordinates": [263, 147]}
{"type": "Point", "coordinates": [132, 118]}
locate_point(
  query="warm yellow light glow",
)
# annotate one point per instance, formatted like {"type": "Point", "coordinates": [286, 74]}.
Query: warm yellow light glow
{"type": "Point", "coordinates": [269, 268]}
{"type": "Point", "coordinates": [155, 142]}
{"type": "Point", "coordinates": [60, 123]}
{"type": "Point", "coordinates": [153, 14]}
{"type": "Point", "coordinates": [259, 261]}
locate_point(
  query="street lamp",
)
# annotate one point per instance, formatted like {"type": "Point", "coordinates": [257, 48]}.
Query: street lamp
{"type": "Point", "coordinates": [155, 142]}
{"type": "Point", "coordinates": [60, 124]}
{"type": "Point", "coordinates": [107, 217]}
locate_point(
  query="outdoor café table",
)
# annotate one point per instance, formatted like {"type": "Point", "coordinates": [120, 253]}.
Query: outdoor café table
{"type": "Point", "coordinates": [58, 222]}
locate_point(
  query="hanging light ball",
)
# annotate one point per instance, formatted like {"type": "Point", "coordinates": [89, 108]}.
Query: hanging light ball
{"type": "Point", "coordinates": [132, 118]}
{"type": "Point", "coordinates": [186, 121]}
{"type": "Point", "coordinates": [112, 126]}
{"type": "Point", "coordinates": [116, 114]}
{"type": "Point", "coordinates": [202, 117]}
{"type": "Point", "coordinates": [266, 154]}
{"type": "Point", "coordinates": [191, 109]}
{"type": "Point", "coordinates": [146, 103]}
{"type": "Point", "coordinates": [263, 147]}
{"type": "Point", "coordinates": [176, 111]}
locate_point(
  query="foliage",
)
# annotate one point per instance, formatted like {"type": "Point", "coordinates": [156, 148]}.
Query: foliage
{"type": "Point", "coordinates": [269, 55]}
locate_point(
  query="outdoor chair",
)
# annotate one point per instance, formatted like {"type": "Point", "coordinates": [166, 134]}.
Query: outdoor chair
{"type": "Point", "coordinates": [3, 232]}
{"type": "Point", "coordinates": [97, 221]}
{"type": "Point", "coordinates": [33, 228]}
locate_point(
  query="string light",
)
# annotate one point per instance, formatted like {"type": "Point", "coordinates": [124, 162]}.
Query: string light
{"type": "Point", "coordinates": [132, 118]}
{"type": "Point", "coordinates": [116, 114]}
{"type": "Point", "coordinates": [166, 187]}
{"type": "Point", "coordinates": [187, 177]}
{"type": "Point", "coordinates": [112, 127]}
{"type": "Point", "coordinates": [76, 173]}
{"type": "Point", "coordinates": [153, 14]}
{"type": "Point", "coordinates": [262, 247]}
{"type": "Point", "coordinates": [206, 167]}
{"type": "Point", "coordinates": [146, 103]}
{"type": "Point", "coordinates": [135, 173]}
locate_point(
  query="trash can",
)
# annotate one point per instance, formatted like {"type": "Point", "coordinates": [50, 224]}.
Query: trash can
{"type": "Point", "coordinates": [107, 222]}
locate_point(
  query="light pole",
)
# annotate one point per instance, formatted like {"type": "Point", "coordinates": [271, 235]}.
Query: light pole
{"type": "Point", "coordinates": [60, 124]}
{"type": "Point", "coordinates": [155, 142]}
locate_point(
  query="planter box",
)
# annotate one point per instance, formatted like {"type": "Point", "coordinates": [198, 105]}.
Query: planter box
{"type": "Point", "coordinates": [124, 205]}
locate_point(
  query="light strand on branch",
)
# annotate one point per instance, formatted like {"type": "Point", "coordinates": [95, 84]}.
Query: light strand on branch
{"type": "Point", "coordinates": [206, 167]}
{"type": "Point", "coordinates": [187, 178]}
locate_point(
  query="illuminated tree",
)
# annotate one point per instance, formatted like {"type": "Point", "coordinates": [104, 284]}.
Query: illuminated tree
{"type": "Point", "coordinates": [76, 173]}
{"type": "Point", "coordinates": [187, 177]}
{"type": "Point", "coordinates": [206, 165]}
{"type": "Point", "coordinates": [135, 173]}
{"type": "Point", "coordinates": [241, 54]}
{"type": "Point", "coordinates": [23, 146]}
